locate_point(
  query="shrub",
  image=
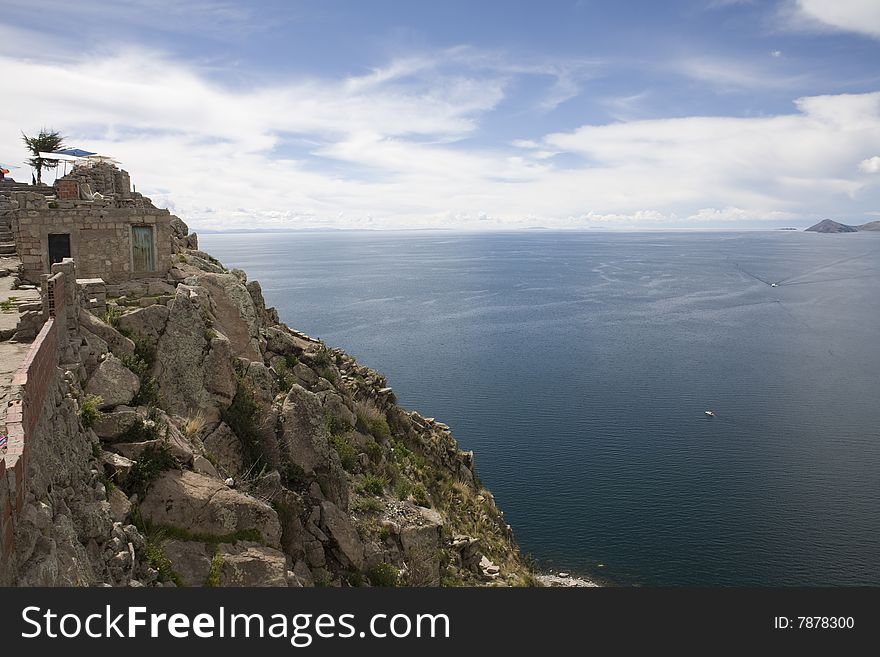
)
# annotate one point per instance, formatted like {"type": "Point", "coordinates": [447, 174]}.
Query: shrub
{"type": "Point", "coordinates": [384, 533]}
{"type": "Point", "coordinates": [368, 505]}
{"type": "Point", "coordinates": [372, 421]}
{"type": "Point", "coordinates": [346, 450]}
{"type": "Point", "coordinates": [213, 578]}
{"type": "Point", "coordinates": [136, 364]}
{"type": "Point", "coordinates": [322, 358]}
{"type": "Point", "coordinates": [242, 416]}
{"type": "Point", "coordinates": [157, 559]}
{"type": "Point", "coordinates": [383, 574]}
{"type": "Point", "coordinates": [373, 484]}
{"type": "Point", "coordinates": [112, 314]}
{"type": "Point", "coordinates": [291, 361]}
{"type": "Point", "coordinates": [374, 451]}
{"type": "Point", "coordinates": [403, 488]}
{"type": "Point", "coordinates": [148, 394]}
{"type": "Point", "coordinates": [294, 476]}
{"type": "Point", "coordinates": [336, 426]}
{"type": "Point", "coordinates": [141, 431]}
{"type": "Point", "coordinates": [89, 413]}
{"type": "Point", "coordinates": [420, 495]}
{"type": "Point", "coordinates": [285, 380]}
{"type": "Point", "coordinates": [153, 461]}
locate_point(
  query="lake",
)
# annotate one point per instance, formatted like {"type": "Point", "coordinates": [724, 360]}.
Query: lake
{"type": "Point", "coordinates": [578, 366]}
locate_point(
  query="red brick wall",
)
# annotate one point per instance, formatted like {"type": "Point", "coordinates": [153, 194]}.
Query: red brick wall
{"type": "Point", "coordinates": [65, 189]}
{"type": "Point", "coordinates": [36, 376]}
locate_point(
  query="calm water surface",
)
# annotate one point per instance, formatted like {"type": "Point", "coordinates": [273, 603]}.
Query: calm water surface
{"type": "Point", "coordinates": [578, 366]}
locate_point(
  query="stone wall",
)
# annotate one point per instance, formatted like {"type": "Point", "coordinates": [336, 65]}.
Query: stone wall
{"type": "Point", "coordinates": [100, 236]}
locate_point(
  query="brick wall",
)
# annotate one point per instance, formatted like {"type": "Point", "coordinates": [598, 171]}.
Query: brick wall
{"type": "Point", "coordinates": [35, 376]}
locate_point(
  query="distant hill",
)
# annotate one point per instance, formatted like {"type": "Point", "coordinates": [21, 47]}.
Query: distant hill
{"type": "Point", "coordinates": [831, 226]}
{"type": "Point", "coordinates": [872, 225]}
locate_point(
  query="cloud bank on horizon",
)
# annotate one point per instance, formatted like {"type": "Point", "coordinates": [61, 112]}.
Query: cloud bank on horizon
{"type": "Point", "coordinates": [578, 114]}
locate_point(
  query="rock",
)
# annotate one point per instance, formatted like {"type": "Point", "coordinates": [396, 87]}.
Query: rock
{"type": "Point", "coordinates": [113, 382]}
{"type": "Point", "coordinates": [284, 343]}
{"type": "Point", "coordinates": [117, 342]}
{"type": "Point", "coordinates": [346, 545]}
{"type": "Point", "coordinates": [91, 350]}
{"type": "Point", "coordinates": [191, 560]}
{"type": "Point", "coordinates": [225, 449]}
{"type": "Point", "coordinates": [178, 227]}
{"type": "Point", "coordinates": [201, 465]}
{"type": "Point", "coordinates": [120, 506]}
{"type": "Point", "coordinates": [304, 375]}
{"type": "Point", "coordinates": [335, 407]}
{"type": "Point", "coordinates": [112, 425]}
{"type": "Point", "coordinates": [421, 546]}
{"type": "Point", "coordinates": [267, 316]}
{"type": "Point", "coordinates": [194, 366]}
{"type": "Point", "coordinates": [304, 434]}
{"type": "Point", "coordinates": [490, 570]}
{"type": "Point", "coordinates": [148, 322]}
{"type": "Point", "coordinates": [234, 312]}
{"type": "Point", "coordinates": [134, 450]}
{"type": "Point", "coordinates": [116, 467]}
{"type": "Point", "coordinates": [262, 381]}
{"type": "Point", "coordinates": [204, 505]}
{"type": "Point", "coordinates": [304, 442]}
{"type": "Point", "coordinates": [159, 288]}
{"type": "Point", "coordinates": [252, 565]}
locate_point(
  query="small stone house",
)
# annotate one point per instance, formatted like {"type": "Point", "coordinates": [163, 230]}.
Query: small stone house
{"type": "Point", "coordinates": [95, 218]}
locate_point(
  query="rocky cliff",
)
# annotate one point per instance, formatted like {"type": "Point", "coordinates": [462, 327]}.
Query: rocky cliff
{"type": "Point", "coordinates": [194, 439]}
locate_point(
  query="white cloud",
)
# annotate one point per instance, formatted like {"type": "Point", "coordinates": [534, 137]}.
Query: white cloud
{"type": "Point", "coordinates": [861, 16]}
{"type": "Point", "coordinates": [870, 165]}
{"type": "Point", "coordinates": [393, 148]}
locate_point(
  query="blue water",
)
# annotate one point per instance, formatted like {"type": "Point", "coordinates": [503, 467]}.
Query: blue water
{"type": "Point", "coordinates": [578, 367]}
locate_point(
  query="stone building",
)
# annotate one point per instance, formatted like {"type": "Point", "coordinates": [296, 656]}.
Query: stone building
{"type": "Point", "coordinates": [95, 218]}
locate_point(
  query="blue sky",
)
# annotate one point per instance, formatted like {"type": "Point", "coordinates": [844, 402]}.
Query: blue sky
{"type": "Point", "coordinates": [479, 115]}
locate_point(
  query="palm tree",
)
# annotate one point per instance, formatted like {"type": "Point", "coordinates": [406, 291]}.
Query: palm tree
{"type": "Point", "coordinates": [48, 141]}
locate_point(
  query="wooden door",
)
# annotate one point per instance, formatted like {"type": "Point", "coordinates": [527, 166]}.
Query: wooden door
{"type": "Point", "coordinates": [142, 248]}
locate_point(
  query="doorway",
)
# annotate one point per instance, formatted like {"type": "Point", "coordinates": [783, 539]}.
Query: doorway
{"type": "Point", "coordinates": [142, 251]}
{"type": "Point", "coordinates": [59, 247]}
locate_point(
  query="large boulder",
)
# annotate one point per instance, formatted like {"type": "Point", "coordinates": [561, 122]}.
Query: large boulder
{"type": "Point", "coordinates": [345, 543]}
{"type": "Point", "coordinates": [190, 560]}
{"type": "Point", "coordinates": [267, 316]}
{"type": "Point", "coordinates": [304, 435]}
{"type": "Point", "coordinates": [249, 564]}
{"type": "Point", "coordinates": [118, 343]}
{"type": "Point", "coordinates": [193, 363]}
{"type": "Point", "coordinates": [421, 543]}
{"type": "Point", "coordinates": [148, 322]}
{"type": "Point", "coordinates": [113, 382]}
{"type": "Point", "coordinates": [203, 505]}
{"type": "Point", "coordinates": [112, 425]}
{"type": "Point", "coordinates": [224, 448]}
{"type": "Point", "coordinates": [234, 312]}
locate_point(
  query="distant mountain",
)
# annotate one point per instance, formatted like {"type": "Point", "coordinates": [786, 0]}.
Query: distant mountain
{"type": "Point", "coordinates": [831, 226]}
{"type": "Point", "coordinates": [872, 225]}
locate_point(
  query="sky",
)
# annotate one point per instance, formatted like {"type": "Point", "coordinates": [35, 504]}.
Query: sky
{"type": "Point", "coordinates": [488, 115]}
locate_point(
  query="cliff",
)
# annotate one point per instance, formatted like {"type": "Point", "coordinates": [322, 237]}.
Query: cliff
{"type": "Point", "coordinates": [189, 437]}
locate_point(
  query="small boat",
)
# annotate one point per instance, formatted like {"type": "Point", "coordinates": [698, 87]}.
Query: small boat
{"type": "Point", "coordinates": [774, 284]}
{"type": "Point", "coordinates": [710, 413]}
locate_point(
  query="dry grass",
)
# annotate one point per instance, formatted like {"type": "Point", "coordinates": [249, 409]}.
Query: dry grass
{"type": "Point", "coordinates": [195, 424]}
